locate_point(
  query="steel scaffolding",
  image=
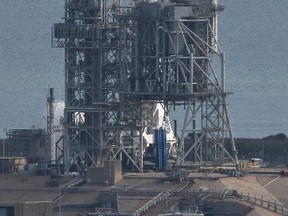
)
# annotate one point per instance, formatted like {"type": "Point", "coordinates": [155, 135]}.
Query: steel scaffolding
{"type": "Point", "coordinates": [122, 59]}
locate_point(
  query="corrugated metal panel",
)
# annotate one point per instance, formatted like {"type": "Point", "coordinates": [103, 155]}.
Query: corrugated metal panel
{"type": "Point", "coordinates": [41, 208]}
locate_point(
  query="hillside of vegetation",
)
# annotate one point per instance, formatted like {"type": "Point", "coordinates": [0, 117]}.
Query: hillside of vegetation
{"type": "Point", "coordinates": [271, 148]}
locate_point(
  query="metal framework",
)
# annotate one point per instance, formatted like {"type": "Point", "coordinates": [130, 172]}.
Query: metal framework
{"type": "Point", "coordinates": [120, 60]}
{"type": "Point", "coordinates": [54, 129]}
{"type": "Point", "coordinates": [30, 143]}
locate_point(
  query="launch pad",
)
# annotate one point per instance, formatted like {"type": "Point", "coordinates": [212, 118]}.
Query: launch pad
{"type": "Point", "coordinates": [121, 60]}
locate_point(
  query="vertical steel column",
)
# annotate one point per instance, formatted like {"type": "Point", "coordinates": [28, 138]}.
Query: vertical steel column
{"type": "Point", "coordinates": [141, 150]}
{"type": "Point", "coordinates": [50, 122]}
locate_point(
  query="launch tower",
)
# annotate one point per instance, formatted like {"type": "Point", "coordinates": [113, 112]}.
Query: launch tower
{"type": "Point", "coordinates": [121, 60]}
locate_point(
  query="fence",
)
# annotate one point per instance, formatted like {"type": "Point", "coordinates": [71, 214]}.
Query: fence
{"type": "Point", "coordinates": [267, 204]}
{"type": "Point", "coordinates": [229, 192]}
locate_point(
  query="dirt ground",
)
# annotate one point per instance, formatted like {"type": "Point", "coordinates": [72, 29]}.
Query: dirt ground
{"type": "Point", "coordinates": [278, 186]}
{"type": "Point", "coordinates": [271, 188]}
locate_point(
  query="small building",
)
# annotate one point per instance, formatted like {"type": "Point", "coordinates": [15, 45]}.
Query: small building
{"type": "Point", "coordinates": [36, 208]}
{"type": "Point", "coordinates": [25, 195]}
{"type": "Point", "coordinates": [28, 143]}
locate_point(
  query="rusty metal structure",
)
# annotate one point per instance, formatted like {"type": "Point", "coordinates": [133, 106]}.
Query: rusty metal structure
{"type": "Point", "coordinates": [122, 59]}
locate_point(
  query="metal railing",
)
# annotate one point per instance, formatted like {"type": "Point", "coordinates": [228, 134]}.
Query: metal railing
{"type": "Point", "coordinates": [267, 204]}
{"type": "Point", "coordinates": [230, 193]}
{"type": "Point", "coordinates": [152, 202]}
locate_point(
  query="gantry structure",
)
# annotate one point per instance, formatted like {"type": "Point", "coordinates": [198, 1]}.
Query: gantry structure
{"type": "Point", "coordinates": [122, 59]}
